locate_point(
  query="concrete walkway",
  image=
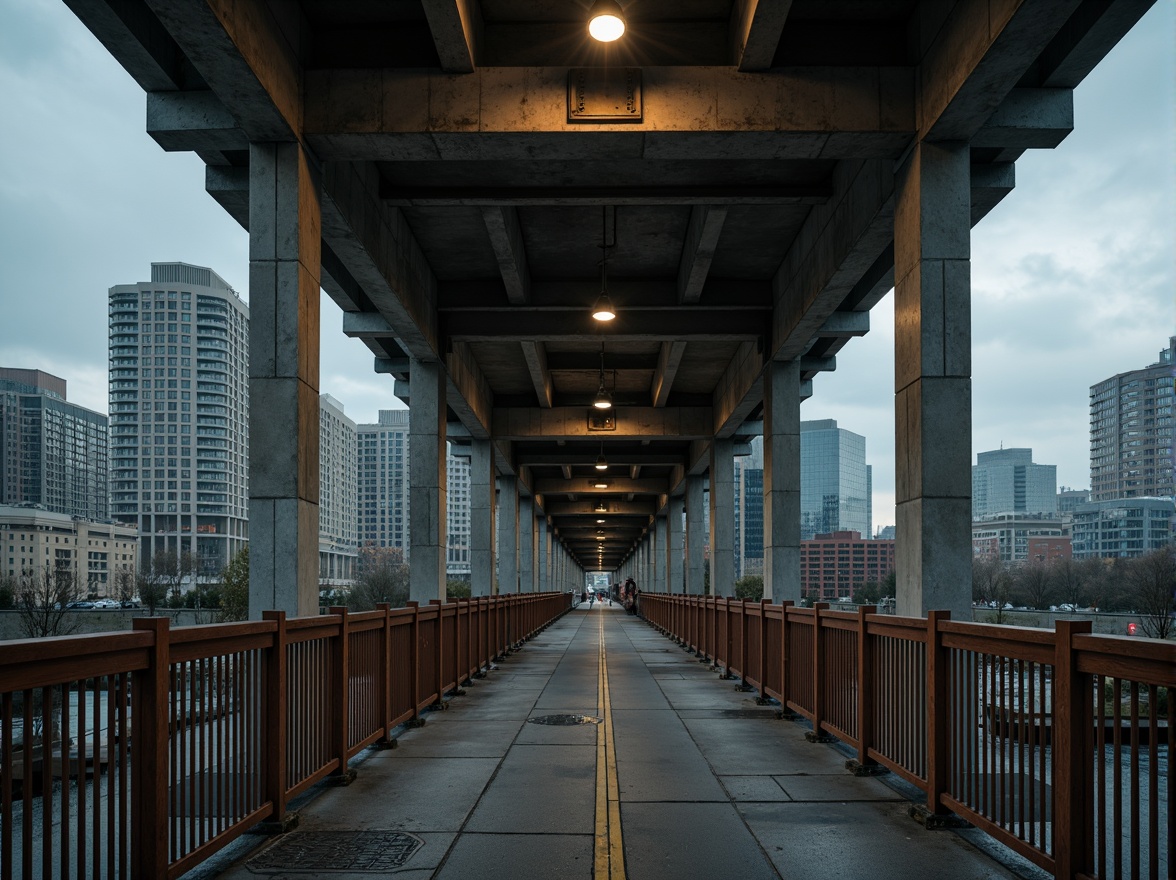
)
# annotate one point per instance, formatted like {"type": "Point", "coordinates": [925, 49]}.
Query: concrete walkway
{"type": "Point", "coordinates": [710, 785]}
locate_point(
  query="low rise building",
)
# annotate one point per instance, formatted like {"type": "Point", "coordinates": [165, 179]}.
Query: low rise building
{"type": "Point", "coordinates": [97, 554]}
{"type": "Point", "coordinates": [1121, 528]}
{"type": "Point", "coordinates": [837, 564]}
{"type": "Point", "coordinates": [1015, 538]}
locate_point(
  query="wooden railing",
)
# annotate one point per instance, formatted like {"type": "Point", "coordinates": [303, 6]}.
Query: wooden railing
{"type": "Point", "coordinates": [140, 754]}
{"type": "Point", "coordinates": [1057, 744]}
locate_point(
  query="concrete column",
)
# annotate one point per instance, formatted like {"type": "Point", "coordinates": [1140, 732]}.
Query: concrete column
{"type": "Point", "coordinates": [508, 534]}
{"type": "Point", "coordinates": [427, 480]}
{"type": "Point", "coordinates": [662, 524]}
{"type": "Point", "coordinates": [722, 517]}
{"type": "Point", "coordinates": [695, 535]}
{"type": "Point", "coordinates": [526, 544]}
{"type": "Point", "coordinates": [481, 518]}
{"type": "Point", "coordinates": [550, 578]}
{"type": "Point", "coordinates": [657, 576]}
{"type": "Point", "coordinates": [285, 244]}
{"type": "Point", "coordinates": [674, 567]}
{"type": "Point", "coordinates": [541, 545]}
{"type": "Point", "coordinates": [782, 481]}
{"type": "Point", "coordinates": [932, 380]}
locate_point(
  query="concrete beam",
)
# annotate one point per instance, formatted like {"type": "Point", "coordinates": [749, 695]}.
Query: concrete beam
{"type": "Point", "coordinates": [990, 184]}
{"type": "Point", "coordinates": [192, 121]}
{"type": "Point", "coordinates": [632, 423]}
{"type": "Point", "coordinates": [727, 293]}
{"type": "Point", "coordinates": [619, 458]}
{"type": "Point", "coordinates": [978, 55]}
{"type": "Point", "coordinates": [229, 187]}
{"type": "Point", "coordinates": [668, 361]}
{"type": "Point", "coordinates": [136, 39]}
{"type": "Point", "coordinates": [1029, 119]}
{"type": "Point", "coordinates": [457, 29]}
{"type": "Point", "coordinates": [845, 325]}
{"type": "Point", "coordinates": [359, 325]}
{"type": "Point", "coordinates": [505, 112]}
{"type": "Point", "coordinates": [535, 354]}
{"type": "Point", "coordinates": [584, 486]}
{"type": "Point", "coordinates": [633, 326]}
{"type": "Point", "coordinates": [525, 196]}
{"type": "Point", "coordinates": [241, 53]}
{"type": "Point", "coordinates": [698, 250]}
{"type": "Point", "coordinates": [587, 507]}
{"type": "Point", "coordinates": [756, 28]}
{"type": "Point", "coordinates": [506, 237]}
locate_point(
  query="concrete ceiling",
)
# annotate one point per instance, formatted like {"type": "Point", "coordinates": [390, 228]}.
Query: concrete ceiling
{"type": "Point", "coordinates": [750, 212]}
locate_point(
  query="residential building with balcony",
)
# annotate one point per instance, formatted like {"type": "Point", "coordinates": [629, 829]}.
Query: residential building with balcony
{"type": "Point", "coordinates": [179, 403]}
{"type": "Point", "coordinates": [338, 504]}
{"type": "Point", "coordinates": [53, 453]}
{"type": "Point", "coordinates": [99, 556]}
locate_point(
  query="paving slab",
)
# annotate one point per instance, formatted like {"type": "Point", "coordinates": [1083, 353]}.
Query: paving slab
{"type": "Point", "coordinates": [519, 857]}
{"type": "Point", "coordinates": [690, 842]}
{"type": "Point", "coordinates": [540, 788]}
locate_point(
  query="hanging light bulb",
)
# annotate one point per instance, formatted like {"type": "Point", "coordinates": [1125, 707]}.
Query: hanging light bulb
{"type": "Point", "coordinates": [603, 398]}
{"type": "Point", "coordinates": [602, 309]}
{"type": "Point", "coordinates": [601, 461]}
{"type": "Point", "coordinates": [606, 21]}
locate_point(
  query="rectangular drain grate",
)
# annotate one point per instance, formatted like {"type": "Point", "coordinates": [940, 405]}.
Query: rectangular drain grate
{"type": "Point", "coordinates": [316, 852]}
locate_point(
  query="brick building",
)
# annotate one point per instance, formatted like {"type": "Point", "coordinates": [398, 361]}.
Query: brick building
{"type": "Point", "coordinates": [838, 564]}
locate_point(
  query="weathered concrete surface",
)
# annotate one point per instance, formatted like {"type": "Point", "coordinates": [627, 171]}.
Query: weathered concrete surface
{"type": "Point", "coordinates": [704, 793]}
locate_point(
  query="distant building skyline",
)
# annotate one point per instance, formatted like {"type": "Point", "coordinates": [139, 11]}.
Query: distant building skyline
{"type": "Point", "coordinates": [338, 494]}
{"type": "Point", "coordinates": [53, 453]}
{"type": "Point", "coordinates": [1131, 432]}
{"type": "Point", "coordinates": [1008, 481]}
{"type": "Point", "coordinates": [1121, 528]}
{"type": "Point", "coordinates": [835, 482]}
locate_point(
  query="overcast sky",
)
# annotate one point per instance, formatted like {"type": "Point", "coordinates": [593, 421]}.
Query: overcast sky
{"type": "Point", "coordinates": [1073, 274]}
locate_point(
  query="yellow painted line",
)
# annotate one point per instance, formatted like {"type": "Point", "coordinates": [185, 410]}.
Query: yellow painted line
{"type": "Point", "coordinates": [610, 850]}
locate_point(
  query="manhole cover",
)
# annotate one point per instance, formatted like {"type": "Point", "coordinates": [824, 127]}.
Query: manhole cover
{"type": "Point", "coordinates": [313, 852]}
{"type": "Point", "coordinates": [564, 720]}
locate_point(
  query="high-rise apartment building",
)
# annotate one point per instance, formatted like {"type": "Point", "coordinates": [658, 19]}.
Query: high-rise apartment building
{"type": "Point", "coordinates": [834, 480]}
{"type": "Point", "coordinates": [338, 504]}
{"type": "Point", "coordinates": [749, 511]}
{"type": "Point", "coordinates": [383, 481]}
{"type": "Point", "coordinates": [52, 453]}
{"type": "Point", "coordinates": [179, 402]}
{"type": "Point", "coordinates": [383, 491]}
{"type": "Point", "coordinates": [1131, 432]}
{"type": "Point", "coordinates": [1007, 481]}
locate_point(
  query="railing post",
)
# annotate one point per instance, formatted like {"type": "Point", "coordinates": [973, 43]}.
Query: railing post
{"type": "Point", "coordinates": [385, 673]}
{"type": "Point", "coordinates": [1073, 720]}
{"type": "Point", "coordinates": [785, 669]}
{"type": "Point", "coordinates": [863, 765]}
{"type": "Point", "coordinates": [816, 735]}
{"type": "Point", "coordinates": [744, 627]}
{"type": "Point", "coordinates": [345, 775]}
{"type": "Point", "coordinates": [149, 758]}
{"type": "Point", "coordinates": [274, 734]}
{"type": "Point", "coordinates": [415, 661]}
{"type": "Point", "coordinates": [938, 747]}
{"type": "Point", "coordinates": [763, 652]}
{"type": "Point", "coordinates": [438, 653]}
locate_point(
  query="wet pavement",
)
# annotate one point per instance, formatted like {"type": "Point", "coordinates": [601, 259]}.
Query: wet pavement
{"type": "Point", "coordinates": [701, 782]}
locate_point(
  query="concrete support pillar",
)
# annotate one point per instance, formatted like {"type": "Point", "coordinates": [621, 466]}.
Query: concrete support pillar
{"type": "Point", "coordinates": [427, 479]}
{"type": "Point", "coordinates": [663, 555]}
{"type": "Point", "coordinates": [674, 567]}
{"type": "Point", "coordinates": [932, 380]}
{"type": "Point", "coordinates": [654, 570]}
{"type": "Point", "coordinates": [782, 481]}
{"type": "Point", "coordinates": [526, 544]}
{"type": "Point", "coordinates": [285, 243]}
{"type": "Point", "coordinates": [550, 581]}
{"type": "Point", "coordinates": [541, 545]}
{"type": "Point", "coordinates": [695, 536]}
{"type": "Point", "coordinates": [508, 534]}
{"type": "Point", "coordinates": [722, 517]}
{"type": "Point", "coordinates": [482, 492]}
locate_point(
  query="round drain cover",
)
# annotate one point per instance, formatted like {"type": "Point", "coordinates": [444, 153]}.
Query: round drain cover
{"type": "Point", "coordinates": [564, 720]}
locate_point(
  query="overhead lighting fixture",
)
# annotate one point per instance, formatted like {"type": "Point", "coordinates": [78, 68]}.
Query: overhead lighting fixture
{"type": "Point", "coordinates": [600, 522]}
{"type": "Point", "coordinates": [600, 484]}
{"type": "Point", "coordinates": [603, 398]}
{"type": "Point", "coordinates": [606, 21]}
{"type": "Point", "coordinates": [601, 461]}
{"type": "Point", "coordinates": [602, 309]}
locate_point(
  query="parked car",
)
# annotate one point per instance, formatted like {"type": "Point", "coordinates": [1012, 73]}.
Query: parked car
{"type": "Point", "coordinates": [103, 604]}
{"type": "Point", "coordinates": [81, 605]}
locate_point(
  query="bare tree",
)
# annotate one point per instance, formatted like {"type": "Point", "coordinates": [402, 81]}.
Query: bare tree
{"type": "Point", "coordinates": [1070, 581]}
{"type": "Point", "coordinates": [42, 595]}
{"type": "Point", "coordinates": [124, 584]}
{"type": "Point", "coordinates": [1034, 583]}
{"type": "Point", "coordinates": [1152, 581]}
{"type": "Point", "coordinates": [384, 578]}
{"type": "Point", "coordinates": [152, 588]}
